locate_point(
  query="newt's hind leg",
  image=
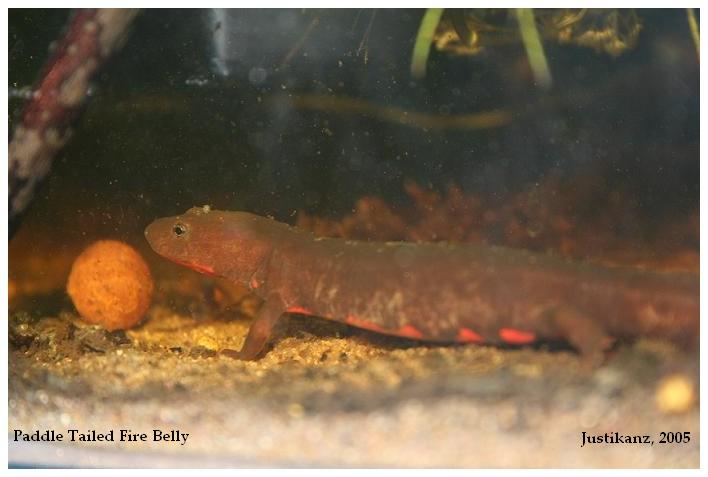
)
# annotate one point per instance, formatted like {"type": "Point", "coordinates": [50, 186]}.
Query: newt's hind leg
{"type": "Point", "coordinates": [586, 335]}
{"type": "Point", "coordinates": [260, 330]}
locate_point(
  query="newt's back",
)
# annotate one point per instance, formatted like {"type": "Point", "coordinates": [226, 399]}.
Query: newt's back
{"type": "Point", "coordinates": [434, 290]}
{"type": "Point", "coordinates": [441, 292]}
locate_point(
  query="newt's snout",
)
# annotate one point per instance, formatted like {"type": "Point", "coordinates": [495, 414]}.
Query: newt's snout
{"type": "Point", "coordinates": [158, 235]}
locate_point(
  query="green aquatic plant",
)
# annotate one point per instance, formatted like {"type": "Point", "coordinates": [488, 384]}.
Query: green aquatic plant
{"type": "Point", "coordinates": [534, 47]}
{"type": "Point", "coordinates": [424, 40]}
{"type": "Point", "coordinates": [468, 32]}
{"type": "Point", "coordinates": [695, 33]}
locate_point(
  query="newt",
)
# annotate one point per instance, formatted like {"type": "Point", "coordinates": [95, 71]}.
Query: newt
{"type": "Point", "coordinates": [436, 292]}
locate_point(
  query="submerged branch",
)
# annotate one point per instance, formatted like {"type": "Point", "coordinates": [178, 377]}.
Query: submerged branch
{"type": "Point", "coordinates": [90, 37]}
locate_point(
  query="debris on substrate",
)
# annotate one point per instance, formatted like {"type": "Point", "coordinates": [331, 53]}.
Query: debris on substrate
{"type": "Point", "coordinates": [331, 395]}
{"type": "Point", "coordinates": [583, 220]}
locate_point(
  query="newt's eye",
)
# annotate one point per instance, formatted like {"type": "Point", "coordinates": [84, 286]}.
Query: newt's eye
{"type": "Point", "coordinates": [179, 229]}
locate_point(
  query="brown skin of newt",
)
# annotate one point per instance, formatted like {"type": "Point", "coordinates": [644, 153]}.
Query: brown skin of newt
{"type": "Point", "coordinates": [432, 292]}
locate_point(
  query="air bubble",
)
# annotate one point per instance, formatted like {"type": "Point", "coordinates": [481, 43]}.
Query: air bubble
{"type": "Point", "coordinates": [198, 81]}
{"type": "Point", "coordinates": [257, 75]}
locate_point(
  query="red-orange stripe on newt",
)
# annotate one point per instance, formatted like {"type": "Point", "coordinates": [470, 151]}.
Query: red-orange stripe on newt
{"type": "Point", "coordinates": [367, 325]}
{"type": "Point", "coordinates": [298, 309]}
{"type": "Point", "coordinates": [409, 331]}
{"type": "Point", "coordinates": [195, 266]}
{"type": "Point", "coordinates": [514, 336]}
{"type": "Point", "coordinates": [466, 335]}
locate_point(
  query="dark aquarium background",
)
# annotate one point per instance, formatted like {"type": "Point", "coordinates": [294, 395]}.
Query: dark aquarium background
{"type": "Point", "coordinates": [231, 109]}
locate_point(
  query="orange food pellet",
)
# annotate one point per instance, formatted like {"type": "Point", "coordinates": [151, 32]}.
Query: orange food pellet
{"type": "Point", "coordinates": [110, 285]}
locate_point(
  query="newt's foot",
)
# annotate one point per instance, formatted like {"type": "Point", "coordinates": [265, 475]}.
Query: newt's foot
{"type": "Point", "coordinates": [240, 354]}
{"type": "Point", "coordinates": [586, 335]}
{"type": "Point", "coordinates": [259, 332]}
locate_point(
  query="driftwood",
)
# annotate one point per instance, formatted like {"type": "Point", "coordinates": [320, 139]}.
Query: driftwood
{"type": "Point", "coordinates": [90, 37]}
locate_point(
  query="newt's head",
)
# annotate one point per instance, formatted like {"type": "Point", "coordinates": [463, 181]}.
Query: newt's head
{"type": "Point", "coordinates": [234, 245]}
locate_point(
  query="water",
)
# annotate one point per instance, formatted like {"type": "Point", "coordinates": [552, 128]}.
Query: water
{"type": "Point", "coordinates": [312, 117]}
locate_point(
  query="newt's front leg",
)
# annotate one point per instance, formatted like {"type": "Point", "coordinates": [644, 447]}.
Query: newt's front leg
{"type": "Point", "coordinates": [260, 331]}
